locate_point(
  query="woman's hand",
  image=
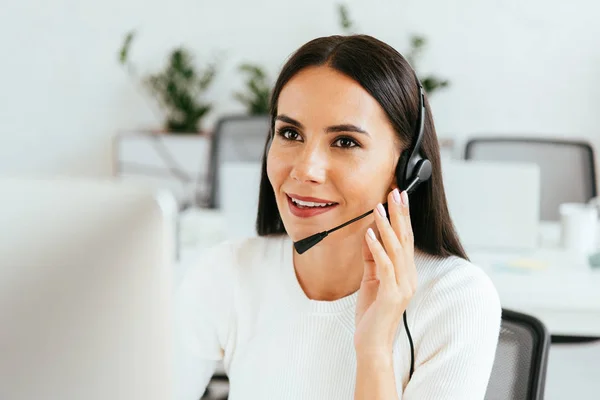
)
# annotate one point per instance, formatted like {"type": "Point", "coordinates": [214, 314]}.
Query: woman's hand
{"type": "Point", "coordinates": [389, 279]}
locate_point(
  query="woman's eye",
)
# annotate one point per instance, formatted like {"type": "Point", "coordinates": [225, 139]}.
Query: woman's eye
{"type": "Point", "coordinates": [288, 134]}
{"type": "Point", "coordinates": [345, 142]}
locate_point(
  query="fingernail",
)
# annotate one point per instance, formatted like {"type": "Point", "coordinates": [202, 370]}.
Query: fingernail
{"type": "Point", "coordinates": [396, 196]}
{"type": "Point", "coordinates": [371, 233]}
{"type": "Point", "coordinates": [381, 210]}
{"type": "Point", "coordinates": [405, 198]}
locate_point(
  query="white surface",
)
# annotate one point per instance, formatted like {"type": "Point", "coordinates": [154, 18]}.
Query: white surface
{"type": "Point", "coordinates": [493, 205]}
{"type": "Point", "coordinates": [64, 95]}
{"type": "Point", "coordinates": [573, 372]}
{"type": "Point", "coordinates": [239, 185]}
{"type": "Point", "coordinates": [559, 287]}
{"type": "Point", "coordinates": [85, 291]}
{"type": "Point", "coordinates": [564, 294]}
{"type": "Point", "coordinates": [178, 163]}
{"type": "Point", "coordinates": [579, 226]}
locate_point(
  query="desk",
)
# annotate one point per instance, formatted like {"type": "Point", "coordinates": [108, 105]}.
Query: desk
{"type": "Point", "coordinates": [563, 292]}
{"type": "Point", "coordinates": [558, 287]}
{"type": "Point", "coordinates": [565, 295]}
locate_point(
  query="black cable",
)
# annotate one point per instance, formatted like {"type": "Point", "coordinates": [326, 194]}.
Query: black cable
{"type": "Point", "coordinates": [412, 348]}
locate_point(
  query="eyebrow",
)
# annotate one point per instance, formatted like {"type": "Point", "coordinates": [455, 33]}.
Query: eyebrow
{"type": "Point", "coordinates": [330, 129]}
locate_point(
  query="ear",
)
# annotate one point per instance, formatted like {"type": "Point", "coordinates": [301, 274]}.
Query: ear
{"type": "Point", "coordinates": [394, 182]}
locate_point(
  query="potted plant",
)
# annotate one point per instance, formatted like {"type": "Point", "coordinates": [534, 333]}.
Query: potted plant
{"type": "Point", "coordinates": [431, 83]}
{"type": "Point", "coordinates": [174, 156]}
{"type": "Point", "coordinates": [258, 90]}
{"type": "Point", "coordinates": [178, 88]}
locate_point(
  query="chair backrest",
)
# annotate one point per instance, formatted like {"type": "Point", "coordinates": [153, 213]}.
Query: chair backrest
{"type": "Point", "coordinates": [567, 168]}
{"type": "Point", "coordinates": [519, 371]}
{"type": "Point", "coordinates": [235, 139]}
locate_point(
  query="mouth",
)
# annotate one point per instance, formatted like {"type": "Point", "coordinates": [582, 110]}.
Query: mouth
{"type": "Point", "coordinates": [305, 207]}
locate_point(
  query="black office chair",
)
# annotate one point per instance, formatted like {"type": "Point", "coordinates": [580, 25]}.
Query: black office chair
{"type": "Point", "coordinates": [567, 168]}
{"type": "Point", "coordinates": [519, 371]}
{"type": "Point", "coordinates": [209, 392]}
{"type": "Point", "coordinates": [239, 138]}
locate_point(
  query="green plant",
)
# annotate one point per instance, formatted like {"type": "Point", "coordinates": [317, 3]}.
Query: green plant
{"type": "Point", "coordinates": [178, 88]}
{"type": "Point", "coordinates": [346, 23]}
{"type": "Point", "coordinates": [431, 83]}
{"type": "Point", "coordinates": [256, 99]}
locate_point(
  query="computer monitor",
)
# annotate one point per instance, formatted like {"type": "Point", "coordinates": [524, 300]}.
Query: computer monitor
{"type": "Point", "coordinates": [494, 205]}
{"type": "Point", "coordinates": [85, 290]}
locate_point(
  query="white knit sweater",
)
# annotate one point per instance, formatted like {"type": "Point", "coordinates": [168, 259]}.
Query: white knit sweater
{"type": "Point", "coordinates": [241, 303]}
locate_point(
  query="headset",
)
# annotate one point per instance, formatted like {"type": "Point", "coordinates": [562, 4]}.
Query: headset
{"type": "Point", "coordinates": [412, 169]}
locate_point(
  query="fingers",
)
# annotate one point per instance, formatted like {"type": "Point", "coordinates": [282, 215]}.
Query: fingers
{"type": "Point", "coordinates": [401, 224]}
{"type": "Point", "coordinates": [387, 275]}
{"type": "Point", "coordinates": [400, 220]}
{"type": "Point", "coordinates": [394, 255]}
{"type": "Point", "coordinates": [390, 242]}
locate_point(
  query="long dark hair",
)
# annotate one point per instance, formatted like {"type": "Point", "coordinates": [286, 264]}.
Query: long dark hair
{"type": "Point", "coordinates": [390, 79]}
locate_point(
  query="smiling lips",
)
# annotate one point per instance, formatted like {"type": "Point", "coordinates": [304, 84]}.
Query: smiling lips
{"type": "Point", "coordinates": [305, 207]}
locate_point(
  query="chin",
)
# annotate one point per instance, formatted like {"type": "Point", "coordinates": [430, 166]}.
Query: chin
{"type": "Point", "coordinates": [297, 232]}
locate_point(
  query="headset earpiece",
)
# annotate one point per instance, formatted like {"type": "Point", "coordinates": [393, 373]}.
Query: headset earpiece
{"type": "Point", "coordinates": [401, 170]}
{"type": "Point", "coordinates": [422, 172]}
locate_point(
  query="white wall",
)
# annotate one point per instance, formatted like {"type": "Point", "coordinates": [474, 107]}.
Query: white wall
{"type": "Point", "coordinates": [515, 66]}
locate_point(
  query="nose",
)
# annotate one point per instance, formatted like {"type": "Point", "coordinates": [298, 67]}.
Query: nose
{"type": "Point", "coordinates": [310, 166]}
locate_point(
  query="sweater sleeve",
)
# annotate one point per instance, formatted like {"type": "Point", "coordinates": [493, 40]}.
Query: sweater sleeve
{"type": "Point", "coordinates": [203, 321]}
{"type": "Point", "coordinates": [459, 321]}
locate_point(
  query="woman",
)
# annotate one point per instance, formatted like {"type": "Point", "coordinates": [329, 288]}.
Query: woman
{"type": "Point", "coordinates": [328, 323]}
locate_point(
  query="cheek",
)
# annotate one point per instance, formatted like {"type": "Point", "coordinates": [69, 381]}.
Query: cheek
{"type": "Point", "coordinates": [367, 182]}
{"type": "Point", "coordinates": [276, 168]}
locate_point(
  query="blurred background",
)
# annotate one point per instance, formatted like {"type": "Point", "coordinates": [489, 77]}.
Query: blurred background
{"type": "Point", "coordinates": [514, 67]}
{"type": "Point", "coordinates": [155, 92]}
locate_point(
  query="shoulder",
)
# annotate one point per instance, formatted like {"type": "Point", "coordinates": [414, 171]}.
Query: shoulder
{"type": "Point", "coordinates": [212, 280]}
{"type": "Point", "coordinates": [454, 277]}
{"type": "Point", "coordinates": [455, 287]}
{"type": "Point", "coordinates": [231, 258]}
{"type": "Point", "coordinates": [456, 317]}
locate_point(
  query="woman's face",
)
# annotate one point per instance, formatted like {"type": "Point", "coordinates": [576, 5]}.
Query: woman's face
{"type": "Point", "coordinates": [334, 153]}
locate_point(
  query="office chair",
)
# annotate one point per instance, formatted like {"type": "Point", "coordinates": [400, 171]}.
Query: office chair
{"type": "Point", "coordinates": [519, 371]}
{"type": "Point", "coordinates": [567, 168]}
{"type": "Point", "coordinates": [236, 138]}
{"type": "Point", "coordinates": [209, 393]}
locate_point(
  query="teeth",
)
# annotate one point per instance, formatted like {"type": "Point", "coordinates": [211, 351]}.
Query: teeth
{"type": "Point", "coordinates": [310, 203]}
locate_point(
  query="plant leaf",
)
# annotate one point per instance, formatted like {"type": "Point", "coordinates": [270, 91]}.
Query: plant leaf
{"type": "Point", "coordinates": [124, 51]}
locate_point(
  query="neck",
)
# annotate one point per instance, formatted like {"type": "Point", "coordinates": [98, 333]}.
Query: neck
{"type": "Point", "coordinates": [333, 268]}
